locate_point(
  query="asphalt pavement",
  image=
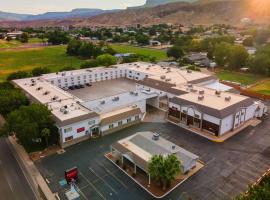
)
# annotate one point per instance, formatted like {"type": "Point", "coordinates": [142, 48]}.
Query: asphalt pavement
{"type": "Point", "coordinates": [13, 183]}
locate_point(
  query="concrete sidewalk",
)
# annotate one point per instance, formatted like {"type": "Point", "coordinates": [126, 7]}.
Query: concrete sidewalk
{"type": "Point", "coordinates": [32, 174]}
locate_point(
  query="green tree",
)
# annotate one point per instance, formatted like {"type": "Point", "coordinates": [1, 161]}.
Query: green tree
{"type": "Point", "coordinates": [142, 39]}
{"type": "Point", "coordinates": [8, 38]}
{"type": "Point", "coordinates": [68, 68]}
{"type": "Point", "coordinates": [38, 71]}
{"type": "Point", "coordinates": [89, 64]}
{"type": "Point", "coordinates": [176, 52]}
{"type": "Point", "coordinates": [86, 50]}
{"type": "Point", "coordinates": [24, 38]}
{"type": "Point", "coordinates": [221, 53]}
{"type": "Point", "coordinates": [58, 37]}
{"type": "Point", "coordinates": [27, 123]}
{"type": "Point", "coordinates": [262, 36]}
{"type": "Point", "coordinates": [18, 75]}
{"type": "Point", "coordinates": [260, 64]}
{"type": "Point", "coordinates": [11, 99]}
{"type": "Point", "coordinates": [248, 42]}
{"type": "Point", "coordinates": [237, 57]}
{"type": "Point", "coordinates": [164, 169]}
{"type": "Point", "coordinates": [73, 47]}
{"type": "Point", "coordinates": [106, 60]}
{"type": "Point", "coordinates": [46, 133]}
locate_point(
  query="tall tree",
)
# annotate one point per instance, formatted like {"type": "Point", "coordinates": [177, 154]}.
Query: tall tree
{"type": "Point", "coordinates": [176, 52]}
{"type": "Point", "coordinates": [164, 168]}
{"type": "Point", "coordinates": [28, 122]}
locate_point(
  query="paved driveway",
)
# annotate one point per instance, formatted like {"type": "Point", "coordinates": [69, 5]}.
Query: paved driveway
{"type": "Point", "coordinates": [229, 167]}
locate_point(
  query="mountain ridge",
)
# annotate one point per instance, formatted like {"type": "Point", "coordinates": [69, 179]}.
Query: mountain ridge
{"type": "Point", "coordinates": [200, 12]}
{"type": "Point", "coordinates": [78, 12]}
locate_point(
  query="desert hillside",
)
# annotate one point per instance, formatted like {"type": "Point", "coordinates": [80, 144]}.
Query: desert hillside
{"type": "Point", "coordinates": [201, 12]}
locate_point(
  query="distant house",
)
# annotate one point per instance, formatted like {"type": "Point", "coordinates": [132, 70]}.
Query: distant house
{"type": "Point", "coordinates": [154, 43]}
{"type": "Point", "coordinates": [122, 55]}
{"type": "Point", "coordinates": [251, 50]}
{"type": "Point", "coordinates": [199, 59]}
{"type": "Point", "coordinates": [13, 35]}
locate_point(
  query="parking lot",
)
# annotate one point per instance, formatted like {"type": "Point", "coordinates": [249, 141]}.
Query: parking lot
{"type": "Point", "coordinates": [103, 89]}
{"type": "Point", "coordinates": [229, 167]}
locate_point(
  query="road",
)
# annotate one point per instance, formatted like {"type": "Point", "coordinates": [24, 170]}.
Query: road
{"type": "Point", "coordinates": [13, 184]}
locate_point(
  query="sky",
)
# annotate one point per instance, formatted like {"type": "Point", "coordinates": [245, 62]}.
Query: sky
{"type": "Point", "coordinates": [41, 6]}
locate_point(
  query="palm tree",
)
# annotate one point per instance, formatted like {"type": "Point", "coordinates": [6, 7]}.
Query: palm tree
{"type": "Point", "coordinates": [164, 168]}
{"type": "Point", "coordinates": [46, 133]}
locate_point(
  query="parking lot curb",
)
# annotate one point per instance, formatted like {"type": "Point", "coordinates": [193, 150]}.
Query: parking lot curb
{"type": "Point", "coordinates": [33, 176]}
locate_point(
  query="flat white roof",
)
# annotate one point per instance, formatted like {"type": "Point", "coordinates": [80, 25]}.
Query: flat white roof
{"type": "Point", "coordinates": [54, 97]}
{"type": "Point", "coordinates": [210, 98]}
{"type": "Point", "coordinates": [109, 104]}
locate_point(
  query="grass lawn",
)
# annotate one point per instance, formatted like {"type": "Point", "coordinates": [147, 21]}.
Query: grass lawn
{"type": "Point", "coordinates": [159, 54]}
{"type": "Point", "coordinates": [262, 88]}
{"type": "Point", "coordinates": [16, 43]}
{"type": "Point", "coordinates": [54, 58]}
{"type": "Point", "coordinates": [6, 44]}
{"type": "Point", "coordinates": [245, 79]}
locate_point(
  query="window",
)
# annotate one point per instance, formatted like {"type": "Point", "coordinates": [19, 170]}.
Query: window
{"type": "Point", "coordinates": [110, 126]}
{"type": "Point", "coordinates": [120, 123]}
{"type": "Point", "coordinates": [92, 122]}
{"type": "Point", "coordinates": [79, 130]}
{"type": "Point", "coordinates": [128, 120]}
{"type": "Point", "coordinates": [68, 138]}
{"type": "Point", "coordinates": [137, 117]}
{"type": "Point", "coordinates": [66, 130]}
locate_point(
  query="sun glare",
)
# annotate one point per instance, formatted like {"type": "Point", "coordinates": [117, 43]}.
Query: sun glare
{"type": "Point", "coordinates": [259, 8]}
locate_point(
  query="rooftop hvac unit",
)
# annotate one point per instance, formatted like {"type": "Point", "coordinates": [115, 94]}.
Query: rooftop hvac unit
{"type": "Point", "coordinates": [136, 93]}
{"type": "Point", "coordinates": [190, 86]}
{"type": "Point", "coordinates": [218, 93]}
{"type": "Point", "coordinates": [147, 68]}
{"type": "Point", "coordinates": [173, 147]}
{"type": "Point", "coordinates": [46, 93]}
{"type": "Point", "coordinates": [168, 80]}
{"type": "Point", "coordinates": [163, 77]}
{"type": "Point", "coordinates": [55, 98]}
{"type": "Point", "coordinates": [89, 70]}
{"type": "Point", "coordinates": [62, 109]}
{"type": "Point", "coordinates": [228, 98]}
{"type": "Point", "coordinates": [155, 137]}
{"type": "Point", "coordinates": [134, 106]}
{"type": "Point", "coordinates": [138, 66]}
{"type": "Point", "coordinates": [39, 88]}
{"type": "Point", "coordinates": [193, 90]}
{"type": "Point", "coordinates": [102, 102]}
{"type": "Point", "coordinates": [200, 97]}
{"type": "Point", "coordinates": [189, 71]}
{"type": "Point", "coordinates": [131, 92]}
{"type": "Point", "coordinates": [65, 112]}
{"type": "Point", "coordinates": [115, 99]}
{"type": "Point", "coordinates": [201, 92]}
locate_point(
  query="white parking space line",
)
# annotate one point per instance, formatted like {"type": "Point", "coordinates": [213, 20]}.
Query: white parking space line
{"type": "Point", "coordinates": [116, 178]}
{"type": "Point", "coordinates": [92, 186]}
{"type": "Point", "coordinates": [103, 180]}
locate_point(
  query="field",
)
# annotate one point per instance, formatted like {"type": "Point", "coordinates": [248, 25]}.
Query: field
{"type": "Point", "coordinates": [54, 58]}
{"type": "Point", "coordinates": [6, 44]}
{"type": "Point", "coordinates": [262, 88]}
{"type": "Point", "coordinates": [16, 43]}
{"type": "Point", "coordinates": [244, 79]}
{"type": "Point", "coordinates": [159, 54]}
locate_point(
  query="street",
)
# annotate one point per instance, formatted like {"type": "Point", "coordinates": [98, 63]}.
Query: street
{"type": "Point", "coordinates": [13, 184]}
